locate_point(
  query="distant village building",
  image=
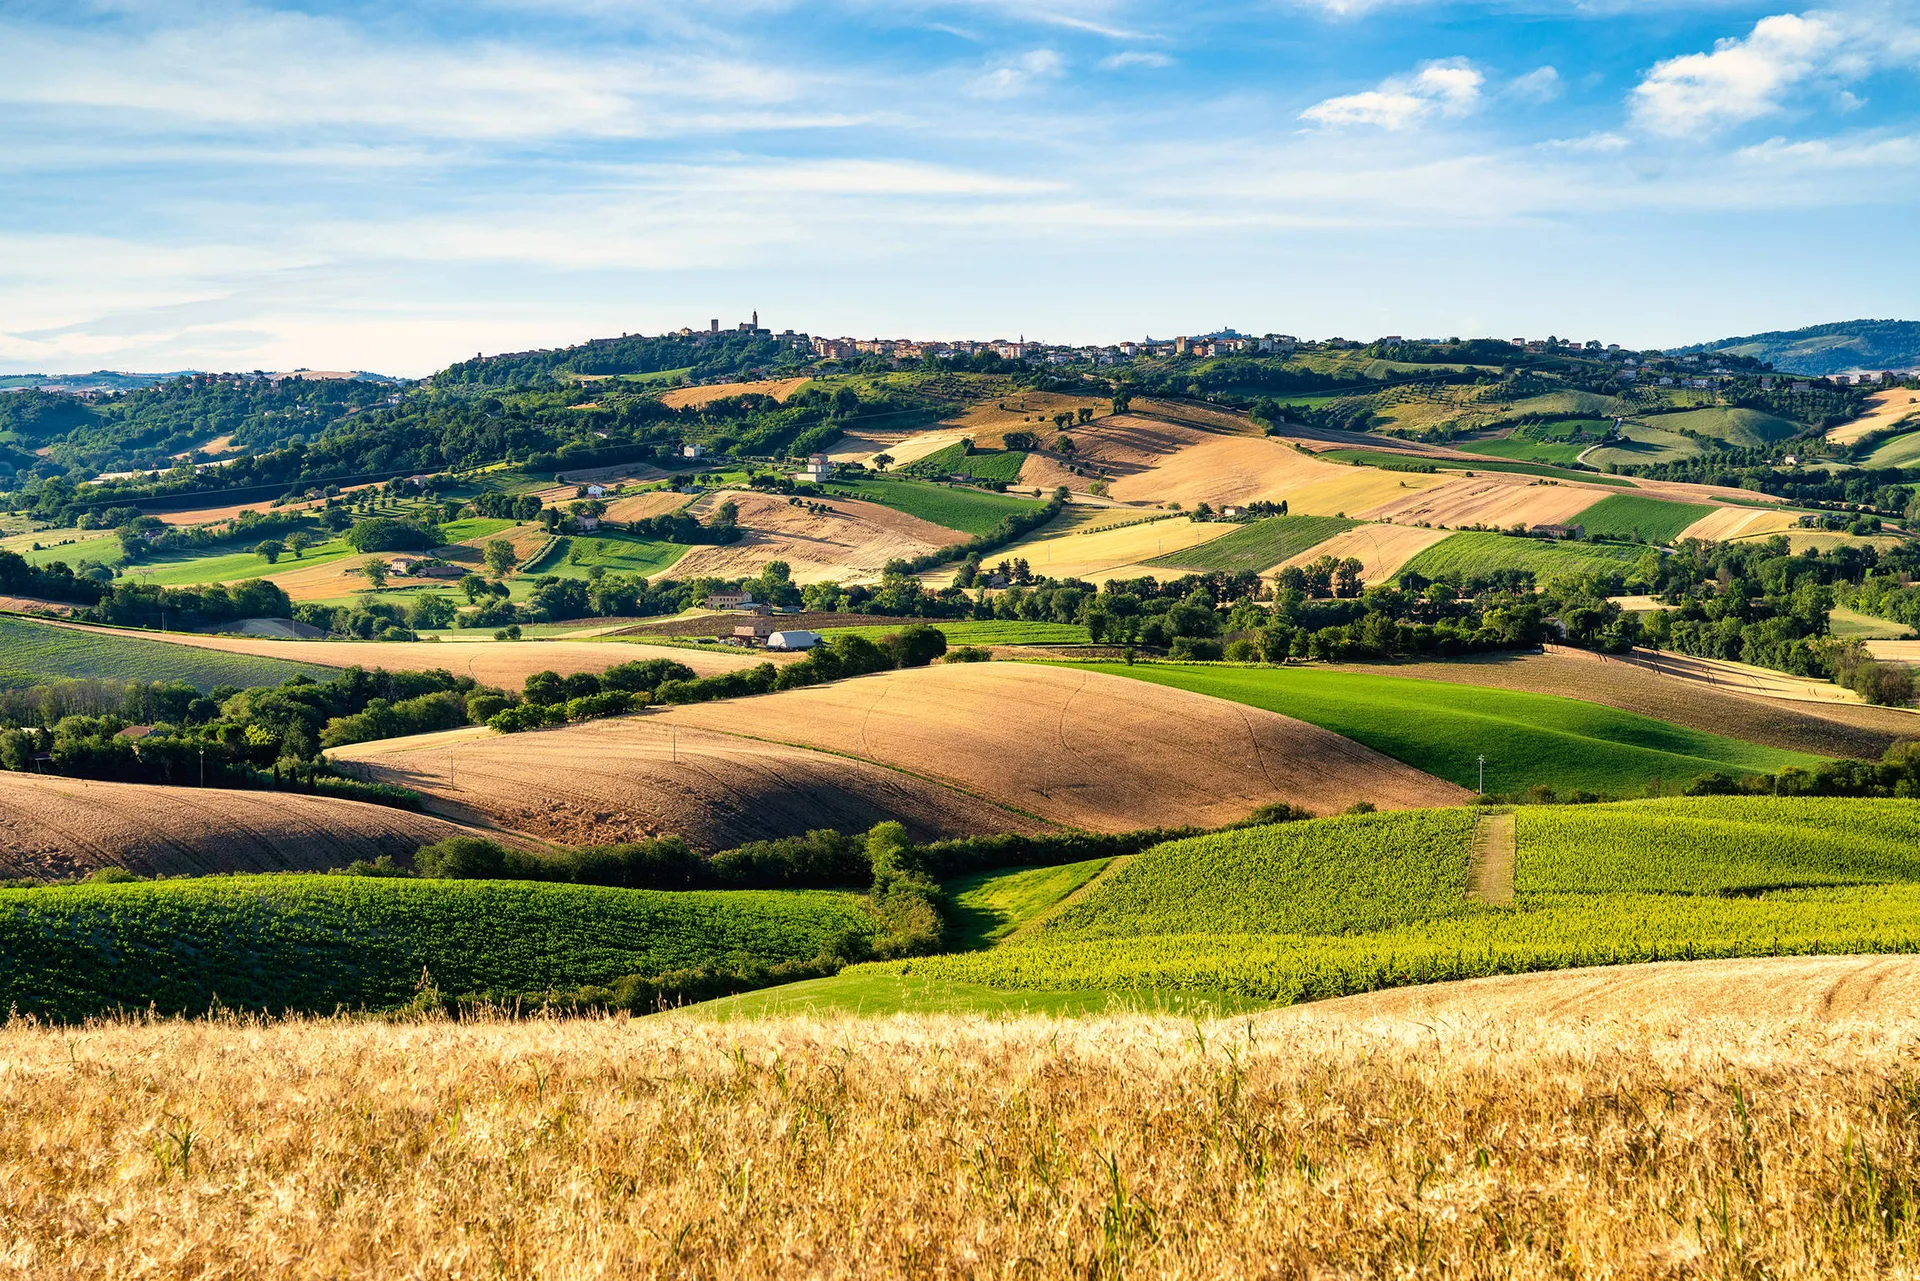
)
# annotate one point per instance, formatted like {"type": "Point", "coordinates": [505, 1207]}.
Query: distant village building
{"type": "Point", "coordinates": [693, 451]}
{"type": "Point", "coordinates": [729, 600]}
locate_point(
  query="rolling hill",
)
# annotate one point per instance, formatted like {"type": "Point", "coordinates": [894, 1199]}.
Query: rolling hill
{"type": "Point", "coordinates": [1828, 349]}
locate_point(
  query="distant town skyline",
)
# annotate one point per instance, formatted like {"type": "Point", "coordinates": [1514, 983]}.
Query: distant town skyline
{"type": "Point", "coordinates": [239, 184]}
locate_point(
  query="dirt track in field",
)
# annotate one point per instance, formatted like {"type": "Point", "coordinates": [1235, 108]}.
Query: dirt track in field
{"type": "Point", "coordinates": [852, 542]}
{"type": "Point", "coordinates": [1821, 729]}
{"type": "Point", "coordinates": [64, 827]}
{"type": "Point", "coordinates": [634, 777]}
{"type": "Point", "coordinates": [502, 663]}
{"type": "Point", "coordinates": [1817, 988]}
{"type": "Point", "coordinates": [1079, 748]}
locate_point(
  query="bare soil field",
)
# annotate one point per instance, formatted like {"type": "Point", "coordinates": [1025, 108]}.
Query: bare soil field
{"type": "Point", "coordinates": [56, 828]}
{"type": "Point", "coordinates": [1228, 469]}
{"type": "Point", "coordinates": [1855, 730]}
{"type": "Point", "coordinates": [694, 397]}
{"type": "Point", "coordinates": [1206, 417]}
{"type": "Point", "coordinates": [34, 605]}
{"type": "Point", "coordinates": [1361, 490]}
{"type": "Point", "coordinates": [1725, 1119]}
{"type": "Point", "coordinates": [506, 664]}
{"type": "Point", "coordinates": [1098, 554]}
{"type": "Point", "coordinates": [854, 541]}
{"type": "Point", "coordinates": [633, 777]}
{"type": "Point", "coordinates": [657, 502]}
{"type": "Point", "coordinates": [1741, 678]}
{"type": "Point", "coordinates": [1885, 410]}
{"type": "Point", "coordinates": [1381, 549]}
{"type": "Point", "coordinates": [1079, 748]}
{"type": "Point", "coordinates": [1498, 499]}
{"type": "Point", "coordinates": [1729, 523]}
{"type": "Point", "coordinates": [1127, 444]}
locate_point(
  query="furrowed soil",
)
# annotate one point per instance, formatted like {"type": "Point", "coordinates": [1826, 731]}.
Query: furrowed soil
{"type": "Point", "coordinates": [656, 502]}
{"type": "Point", "coordinates": [1488, 500]}
{"type": "Point", "coordinates": [1228, 469]}
{"type": "Point", "coordinates": [685, 397]}
{"type": "Point", "coordinates": [630, 778]}
{"type": "Point", "coordinates": [1380, 549]}
{"type": "Point", "coordinates": [1858, 731]}
{"type": "Point", "coordinates": [57, 828]}
{"type": "Point", "coordinates": [506, 664]}
{"type": "Point", "coordinates": [1082, 749]}
{"type": "Point", "coordinates": [853, 541]}
{"type": "Point", "coordinates": [1728, 523]}
{"type": "Point", "coordinates": [1712, 1119]}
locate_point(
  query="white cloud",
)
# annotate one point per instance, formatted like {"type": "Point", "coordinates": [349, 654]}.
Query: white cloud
{"type": "Point", "coordinates": [1135, 58]}
{"type": "Point", "coordinates": [1753, 77]}
{"type": "Point", "coordinates": [1450, 87]}
{"type": "Point", "coordinates": [1014, 77]}
{"type": "Point", "coordinates": [1542, 84]}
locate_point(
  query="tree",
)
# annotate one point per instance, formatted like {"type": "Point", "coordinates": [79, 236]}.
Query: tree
{"type": "Point", "coordinates": [882, 461]}
{"type": "Point", "coordinates": [298, 542]}
{"type": "Point", "coordinates": [1064, 445]}
{"type": "Point", "coordinates": [499, 557]}
{"type": "Point", "coordinates": [1085, 414]}
{"type": "Point", "coordinates": [473, 585]}
{"type": "Point", "coordinates": [376, 571]}
{"type": "Point", "coordinates": [1121, 399]}
{"type": "Point", "coordinates": [269, 550]}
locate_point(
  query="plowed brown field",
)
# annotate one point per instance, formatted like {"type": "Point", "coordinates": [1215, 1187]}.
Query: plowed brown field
{"type": "Point", "coordinates": [1381, 549]}
{"type": "Point", "coordinates": [633, 777]}
{"type": "Point", "coordinates": [853, 541]}
{"type": "Point", "coordinates": [64, 827]}
{"type": "Point", "coordinates": [1079, 748]}
{"type": "Point", "coordinates": [1127, 444]}
{"type": "Point", "coordinates": [778, 388]}
{"type": "Point", "coordinates": [1488, 500]}
{"type": "Point", "coordinates": [1228, 469]}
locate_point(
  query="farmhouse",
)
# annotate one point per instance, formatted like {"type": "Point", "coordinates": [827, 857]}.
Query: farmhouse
{"type": "Point", "coordinates": [819, 469]}
{"type": "Point", "coordinates": [401, 564]}
{"type": "Point", "coordinates": [1557, 531]}
{"type": "Point", "coordinates": [752, 633]}
{"type": "Point", "coordinates": [586, 523]}
{"type": "Point", "coordinates": [737, 599]}
{"type": "Point", "coordinates": [693, 451]}
{"type": "Point", "coordinates": [795, 640]}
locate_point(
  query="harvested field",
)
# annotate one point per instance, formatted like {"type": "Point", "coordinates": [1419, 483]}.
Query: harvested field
{"type": "Point", "coordinates": [633, 777]}
{"type": "Point", "coordinates": [34, 605]}
{"type": "Point", "coordinates": [1206, 417]}
{"type": "Point", "coordinates": [1895, 651]}
{"type": "Point", "coordinates": [905, 448]}
{"type": "Point", "coordinates": [501, 663]}
{"type": "Point", "coordinates": [227, 511]}
{"type": "Point", "coordinates": [1046, 473]}
{"type": "Point", "coordinates": [1079, 748]}
{"type": "Point", "coordinates": [987, 424]}
{"type": "Point", "coordinates": [656, 502]}
{"type": "Point", "coordinates": [327, 580]}
{"type": "Point", "coordinates": [57, 828]}
{"type": "Point", "coordinates": [722, 624]}
{"type": "Point", "coordinates": [1360, 490]}
{"type": "Point", "coordinates": [1096, 555]}
{"type": "Point", "coordinates": [1229, 469]}
{"type": "Point", "coordinates": [1128, 444]}
{"type": "Point", "coordinates": [1826, 540]}
{"type": "Point", "coordinates": [1854, 730]}
{"type": "Point", "coordinates": [1708, 1119]}
{"type": "Point", "coordinates": [1725, 524]}
{"type": "Point", "coordinates": [1885, 411]}
{"type": "Point", "coordinates": [694, 397]}
{"type": "Point", "coordinates": [1741, 677]}
{"type": "Point", "coordinates": [1381, 549]}
{"type": "Point", "coordinates": [853, 541]}
{"type": "Point", "coordinates": [1501, 500]}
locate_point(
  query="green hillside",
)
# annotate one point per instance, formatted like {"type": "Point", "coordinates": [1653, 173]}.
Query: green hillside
{"type": "Point", "coordinates": [1829, 349]}
{"type": "Point", "coordinates": [32, 653]}
{"type": "Point", "coordinates": [1651, 520]}
{"type": "Point", "coordinates": [318, 943]}
{"type": "Point", "coordinates": [1528, 739]}
{"type": "Point", "coordinates": [1740, 428]}
{"type": "Point", "coordinates": [1473, 552]}
{"type": "Point", "coordinates": [967, 510]}
{"type": "Point", "coordinates": [1258, 546]}
{"type": "Point", "coordinates": [1291, 913]}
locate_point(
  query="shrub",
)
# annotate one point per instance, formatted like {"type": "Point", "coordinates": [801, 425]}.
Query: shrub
{"type": "Point", "coordinates": [460, 858]}
{"type": "Point", "coordinates": [968, 654]}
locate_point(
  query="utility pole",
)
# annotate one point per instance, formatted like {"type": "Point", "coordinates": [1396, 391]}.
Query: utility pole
{"type": "Point", "coordinates": [203, 767]}
{"type": "Point", "coordinates": [1483, 775]}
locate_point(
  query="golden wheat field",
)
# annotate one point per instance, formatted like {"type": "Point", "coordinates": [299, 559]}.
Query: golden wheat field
{"type": "Point", "coordinates": [1778, 1140]}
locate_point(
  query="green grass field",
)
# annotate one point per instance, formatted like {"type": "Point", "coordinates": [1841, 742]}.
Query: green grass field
{"type": "Point", "coordinates": [1516, 449]}
{"type": "Point", "coordinates": [1472, 552]}
{"type": "Point", "coordinates": [32, 653]}
{"type": "Point", "coordinates": [993, 631]}
{"type": "Point", "coordinates": [320, 943]}
{"type": "Point", "coordinates": [954, 460]}
{"type": "Point", "coordinates": [1652, 520]}
{"type": "Point", "coordinates": [967, 510]}
{"type": "Point", "coordinates": [1528, 739]}
{"type": "Point", "coordinates": [459, 531]}
{"type": "Point", "coordinates": [1258, 546]}
{"type": "Point", "coordinates": [574, 556]}
{"type": "Point", "coordinates": [1644, 444]}
{"type": "Point", "coordinates": [1896, 451]}
{"type": "Point", "coordinates": [226, 566]}
{"type": "Point", "coordinates": [1337, 906]}
{"type": "Point", "coordinates": [1390, 459]}
{"type": "Point", "coordinates": [988, 907]}
{"type": "Point", "coordinates": [1744, 428]}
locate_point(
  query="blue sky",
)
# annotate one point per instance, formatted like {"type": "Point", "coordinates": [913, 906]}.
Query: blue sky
{"type": "Point", "coordinates": [239, 183]}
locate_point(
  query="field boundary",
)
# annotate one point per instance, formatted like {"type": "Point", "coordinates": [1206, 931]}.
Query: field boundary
{"type": "Point", "coordinates": [1490, 858]}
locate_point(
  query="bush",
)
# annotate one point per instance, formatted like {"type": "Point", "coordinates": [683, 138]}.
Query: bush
{"type": "Point", "coordinates": [460, 858]}
{"type": "Point", "coordinates": [915, 646]}
{"type": "Point", "coordinates": [482, 708]}
{"type": "Point", "coordinates": [968, 654]}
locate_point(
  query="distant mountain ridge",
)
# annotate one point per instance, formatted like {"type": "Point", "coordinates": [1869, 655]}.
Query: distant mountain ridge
{"type": "Point", "coordinates": [1828, 349]}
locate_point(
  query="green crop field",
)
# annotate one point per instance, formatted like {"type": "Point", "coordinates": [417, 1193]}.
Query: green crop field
{"type": "Point", "coordinates": [988, 907]}
{"type": "Point", "coordinates": [1652, 520]}
{"type": "Point", "coordinates": [1336, 906]}
{"type": "Point", "coordinates": [954, 460]}
{"type": "Point", "coordinates": [1258, 546]}
{"type": "Point", "coordinates": [32, 653]}
{"type": "Point", "coordinates": [574, 556]}
{"type": "Point", "coordinates": [1528, 739]}
{"type": "Point", "coordinates": [227, 566]}
{"type": "Point", "coordinates": [1391, 459]}
{"type": "Point", "coordinates": [318, 943]}
{"type": "Point", "coordinates": [1473, 552]}
{"type": "Point", "coordinates": [969, 511]}
{"type": "Point", "coordinates": [993, 631]}
{"type": "Point", "coordinates": [1744, 428]}
{"type": "Point", "coordinates": [1902, 450]}
{"type": "Point", "coordinates": [459, 531]}
{"type": "Point", "coordinates": [1518, 449]}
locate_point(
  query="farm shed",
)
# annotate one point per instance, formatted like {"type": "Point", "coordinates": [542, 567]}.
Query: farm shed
{"type": "Point", "coordinates": [793, 640]}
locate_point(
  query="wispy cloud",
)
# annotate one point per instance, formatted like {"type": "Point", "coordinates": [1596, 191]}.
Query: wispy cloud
{"type": "Point", "coordinates": [1015, 76]}
{"type": "Point", "coordinates": [1135, 58]}
{"type": "Point", "coordinates": [1450, 87]}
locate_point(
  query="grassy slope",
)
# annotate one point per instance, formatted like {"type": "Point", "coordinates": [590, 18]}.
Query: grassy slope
{"type": "Point", "coordinates": [1747, 428]}
{"type": "Point", "coordinates": [1475, 552]}
{"type": "Point", "coordinates": [32, 652]}
{"type": "Point", "coordinates": [575, 555]}
{"type": "Point", "coordinates": [988, 907]}
{"type": "Point", "coordinates": [954, 460]}
{"type": "Point", "coordinates": [1285, 914]}
{"type": "Point", "coordinates": [1258, 546]}
{"type": "Point", "coordinates": [1528, 739]}
{"type": "Point", "coordinates": [1654, 520]}
{"type": "Point", "coordinates": [317, 943]}
{"type": "Point", "coordinates": [1517, 449]}
{"type": "Point", "coordinates": [968, 510]}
